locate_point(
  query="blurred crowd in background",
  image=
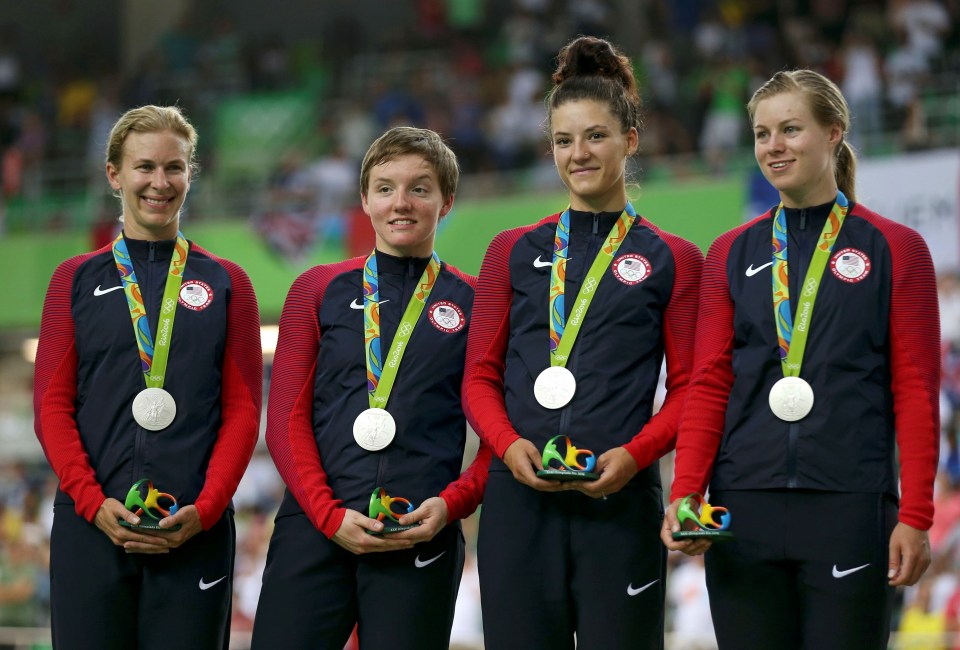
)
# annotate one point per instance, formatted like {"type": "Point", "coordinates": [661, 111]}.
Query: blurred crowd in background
{"type": "Point", "coordinates": [478, 77]}
{"type": "Point", "coordinates": [473, 70]}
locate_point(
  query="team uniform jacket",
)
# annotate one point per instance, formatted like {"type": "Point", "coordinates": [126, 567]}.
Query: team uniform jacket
{"type": "Point", "coordinates": [645, 307]}
{"type": "Point", "coordinates": [88, 373]}
{"type": "Point", "coordinates": [319, 387]}
{"type": "Point", "coordinates": [871, 359]}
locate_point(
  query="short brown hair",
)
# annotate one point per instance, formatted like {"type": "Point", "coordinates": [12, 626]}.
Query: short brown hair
{"type": "Point", "coordinates": [403, 140]}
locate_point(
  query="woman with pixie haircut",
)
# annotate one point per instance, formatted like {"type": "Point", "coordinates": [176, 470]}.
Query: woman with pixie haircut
{"type": "Point", "coordinates": [364, 409]}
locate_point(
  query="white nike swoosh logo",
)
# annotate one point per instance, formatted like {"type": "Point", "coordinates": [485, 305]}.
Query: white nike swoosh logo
{"type": "Point", "coordinates": [633, 592]}
{"type": "Point", "coordinates": [206, 585]}
{"type": "Point", "coordinates": [420, 564]}
{"type": "Point", "coordinates": [99, 292]}
{"type": "Point", "coordinates": [358, 304]}
{"type": "Point", "coordinates": [539, 263]}
{"type": "Point", "coordinates": [753, 271]}
{"type": "Point", "coordinates": [840, 574]}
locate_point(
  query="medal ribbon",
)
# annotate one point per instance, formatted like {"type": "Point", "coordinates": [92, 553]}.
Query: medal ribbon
{"type": "Point", "coordinates": [153, 356]}
{"type": "Point", "coordinates": [793, 340]}
{"type": "Point", "coordinates": [561, 345]}
{"type": "Point", "coordinates": [380, 378]}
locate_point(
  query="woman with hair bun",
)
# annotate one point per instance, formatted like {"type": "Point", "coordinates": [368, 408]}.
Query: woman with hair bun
{"type": "Point", "coordinates": [798, 416]}
{"type": "Point", "coordinates": [573, 316]}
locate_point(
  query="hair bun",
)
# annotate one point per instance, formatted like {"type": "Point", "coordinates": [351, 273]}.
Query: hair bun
{"type": "Point", "coordinates": [593, 69]}
{"type": "Point", "coordinates": [588, 55]}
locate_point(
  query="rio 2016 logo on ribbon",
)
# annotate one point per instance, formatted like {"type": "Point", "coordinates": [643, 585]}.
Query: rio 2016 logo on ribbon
{"type": "Point", "coordinates": [571, 464]}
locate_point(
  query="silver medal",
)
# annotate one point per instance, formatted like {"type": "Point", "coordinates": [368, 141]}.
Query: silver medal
{"type": "Point", "coordinates": [791, 399]}
{"type": "Point", "coordinates": [554, 387]}
{"type": "Point", "coordinates": [374, 429]}
{"type": "Point", "coordinates": [154, 409]}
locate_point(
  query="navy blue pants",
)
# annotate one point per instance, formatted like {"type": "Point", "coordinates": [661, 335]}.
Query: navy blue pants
{"type": "Point", "coordinates": [555, 565]}
{"type": "Point", "coordinates": [806, 571]}
{"type": "Point", "coordinates": [103, 598]}
{"type": "Point", "coordinates": [314, 592]}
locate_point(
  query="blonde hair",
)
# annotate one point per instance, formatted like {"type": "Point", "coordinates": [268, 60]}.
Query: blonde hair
{"type": "Point", "coordinates": [828, 107]}
{"type": "Point", "coordinates": [151, 119]}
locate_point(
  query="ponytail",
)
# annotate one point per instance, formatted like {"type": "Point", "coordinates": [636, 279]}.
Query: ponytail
{"type": "Point", "coordinates": [828, 107]}
{"type": "Point", "coordinates": [846, 172]}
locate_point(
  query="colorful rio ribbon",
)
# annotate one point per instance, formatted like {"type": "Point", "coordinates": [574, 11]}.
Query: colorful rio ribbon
{"type": "Point", "coordinates": [153, 353]}
{"type": "Point", "coordinates": [791, 357]}
{"type": "Point", "coordinates": [381, 506]}
{"type": "Point", "coordinates": [705, 519]}
{"type": "Point", "coordinates": [561, 345]}
{"type": "Point", "coordinates": [146, 499]}
{"type": "Point", "coordinates": [380, 376]}
{"type": "Point", "coordinates": [571, 460]}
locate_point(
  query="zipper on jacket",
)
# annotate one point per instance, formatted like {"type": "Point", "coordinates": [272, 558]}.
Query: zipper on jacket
{"type": "Point", "coordinates": [798, 263]}
{"type": "Point", "coordinates": [566, 412]}
{"type": "Point", "coordinates": [137, 455]}
{"type": "Point", "coordinates": [591, 249]}
{"type": "Point", "coordinates": [381, 470]}
{"type": "Point", "coordinates": [147, 294]}
{"type": "Point", "coordinates": [793, 432]}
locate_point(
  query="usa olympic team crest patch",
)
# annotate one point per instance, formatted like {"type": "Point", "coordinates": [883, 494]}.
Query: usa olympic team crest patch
{"type": "Point", "coordinates": [850, 265]}
{"type": "Point", "coordinates": [631, 268]}
{"type": "Point", "coordinates": [195, 295]}
{"type": "Point", "coordinates": [446, 317]}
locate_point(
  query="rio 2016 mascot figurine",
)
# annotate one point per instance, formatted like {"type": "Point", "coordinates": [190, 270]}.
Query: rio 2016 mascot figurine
{"type": "Point", "coordinates": [381, 507]}
{"type": "Point", "coordinates": [702, 515]}
{"type": "Point", "coordinates": [144, 499]}
{"type": "Point", "coordinates": [571, 468]}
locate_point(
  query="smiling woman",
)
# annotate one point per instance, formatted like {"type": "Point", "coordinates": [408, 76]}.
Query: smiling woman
{"type": "Point", "coordinates": [590, 151]}
{"type": "Point", "coordinates": [365, 412]}
{"type": "Point", "coordinates": [600, 269]}
{"type": "Point", "coordinates": [148, 368]}
{"type": "Point", "coordinates": [405, 203]}
{"type": "Point", "coordinates": [151, 159]}
{"type": "Point", "coordinates": [795, 151]}
{"type": "Point", "coordinates": [153, 179]}
{"type": "Point", "coordinates": [799, 414]}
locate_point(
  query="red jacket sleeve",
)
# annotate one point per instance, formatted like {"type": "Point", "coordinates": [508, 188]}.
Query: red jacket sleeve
{"type": "Point", "coordinates": [289, 435]}
{"type": "Point", "coordinates": [701, 427]}
{"type": "Point", "coordinates": [465, 494]}
{"type": "Point", "coordinates": [915, 370]}
{"type": "Point", "coordinates": [55, 392]}
{"type": "Point", "coordinates": [483, 401]}
{"type": "Point", "coordinates": [659, 435]}
{"type": "Point", "coordinates": [241, 396]}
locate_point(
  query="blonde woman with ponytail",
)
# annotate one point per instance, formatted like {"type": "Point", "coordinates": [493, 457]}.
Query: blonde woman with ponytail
{"type": "Point", "coordinates": [817, 428]}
